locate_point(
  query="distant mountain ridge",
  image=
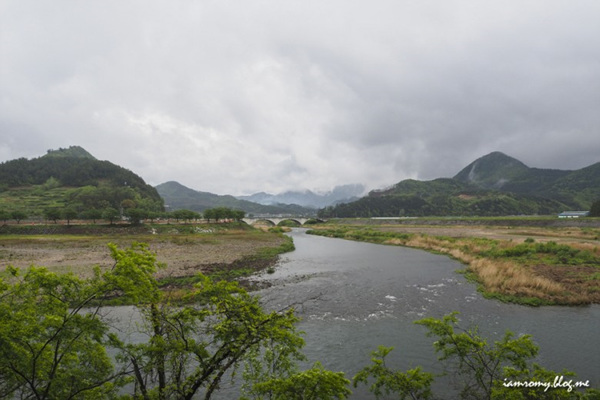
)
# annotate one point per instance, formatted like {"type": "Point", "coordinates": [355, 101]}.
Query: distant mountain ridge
{"type": "Point", "coordinates": [309, 199]}
{"type": "Point", "coordinates": [495, 184]}
{"type": "Point", "coordinates": [178, 196]}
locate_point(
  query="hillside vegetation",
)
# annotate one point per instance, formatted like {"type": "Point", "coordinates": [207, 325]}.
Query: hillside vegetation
{"type": "Point", "coordinates": [493, 185]}
{"type": "Point", "coordinates": [71, 178]}
{"type": "Point", "coordinates": [178, 196]}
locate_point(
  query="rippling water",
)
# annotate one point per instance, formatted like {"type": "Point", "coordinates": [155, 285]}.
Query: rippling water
{"type": "Point", "coordinates": [355, 296]}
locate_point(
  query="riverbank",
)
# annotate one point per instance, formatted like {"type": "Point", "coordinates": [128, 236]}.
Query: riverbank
{"type": "Point", "coordinates": [228, 251]}
{"type": "Point", "coordinates": [524, 264]}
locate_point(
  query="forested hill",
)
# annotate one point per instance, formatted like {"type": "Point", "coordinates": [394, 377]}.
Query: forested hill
{"type": "Point", "coordinates": [493, 185]}
{"type": "Point", "coordinates": [72, 177]}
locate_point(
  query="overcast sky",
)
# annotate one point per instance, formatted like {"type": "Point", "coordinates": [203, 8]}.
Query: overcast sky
{"type": "Point", "coordinates": [237, 97]}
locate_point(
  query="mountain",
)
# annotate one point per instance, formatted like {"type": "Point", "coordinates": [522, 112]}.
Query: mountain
{"type": "Point", "coordinates": [178, 196]}
{"type": "Point", "coordinates": [309, 199]}
{"type": "Point", "coordinates": [499, 171]}
{"type": "Point", "coordinates": [495, 184]}
{"type": "Point", "coordinates": [71, 152]}
{"type": "Point", "coordinates": [493, 171]}
{"type": "Point", "coordinates": [71, 178]}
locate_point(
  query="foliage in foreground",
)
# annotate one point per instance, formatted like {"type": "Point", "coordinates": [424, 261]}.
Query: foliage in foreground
{"type": "Point", "coordinates": [481, 370]}
{"type": "Point", "coordinates": [55, 342]}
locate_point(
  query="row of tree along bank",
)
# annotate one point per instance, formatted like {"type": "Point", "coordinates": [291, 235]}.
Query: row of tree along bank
{"type": "Point", "coordinates": [128, 214]}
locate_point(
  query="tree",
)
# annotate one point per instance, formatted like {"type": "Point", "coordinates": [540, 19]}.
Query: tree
{"type": "Point", "coordinates": [4, 216]}
{"type": "Point", "coordinates": [191, 348]}
{"type": "Point", "coordinates": [414, 383]}
{"type": "Point", "coordinates": [595, 209]}
{"type": "Point", "coordinates": [50, 347]}
{"type": "Point", "coordinates": [18, 215]}
{"type": "Point", "coordinates": [186, 215]}
{"type": "Point", "coordinates": [53, 340]}
{"type": "Point", "coordinates": [52, 214]}
{"type": "Point", "coordinates": [69, 213]}
{"type": "Point", "coordinates": [136, 215]}
{"type": "Point", "coordinates": [92, 214]}
{"type": "Point", "coordinates": [209, 214]}
{"type": "Point", "coordinates": [111, 214]}
{"type": "Point", "coordinates": [485, 368]}
{"type": "Point", "coordinates": [316, 383]}
{"type": "Point", "coordinates": [219, 213]}
{"type": "Point", "coordinates": [238, 215]}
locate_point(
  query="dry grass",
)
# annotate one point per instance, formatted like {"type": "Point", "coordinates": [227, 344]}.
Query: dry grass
{"type": "Point", "coordinates": [512, 280]}
{"type": "Point", "coordinates": [508, 278]}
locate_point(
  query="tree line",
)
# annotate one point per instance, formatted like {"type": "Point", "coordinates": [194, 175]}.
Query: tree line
{"type": "Point", "coordinates": [129, 212]}
{"type": "Point", "coordinates": [497, 204]}
{"type": "Point", "coordinates": [54, 344]}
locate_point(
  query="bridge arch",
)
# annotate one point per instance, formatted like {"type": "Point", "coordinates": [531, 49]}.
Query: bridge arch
{"type": "Point", "coordinates": [276, 220]}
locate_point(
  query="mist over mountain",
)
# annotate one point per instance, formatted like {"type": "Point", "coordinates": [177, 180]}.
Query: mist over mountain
{"type": "Point", "coordinates": [308, 198]}
{"type": "Point", "coordinates": [493, 185]}
{"type": "Point", "coordinates": [178, 196]}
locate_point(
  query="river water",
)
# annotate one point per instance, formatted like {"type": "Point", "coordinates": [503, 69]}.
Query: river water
{"type": "Point", "coordinates": [353, 297]}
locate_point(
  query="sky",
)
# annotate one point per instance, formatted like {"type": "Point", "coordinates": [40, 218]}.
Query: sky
{"type": "Point", "coordinates": [238, 97]}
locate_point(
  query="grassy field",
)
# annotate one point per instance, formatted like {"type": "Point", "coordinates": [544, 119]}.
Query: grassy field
{"type": "Point", "coordinates": [534, 265]}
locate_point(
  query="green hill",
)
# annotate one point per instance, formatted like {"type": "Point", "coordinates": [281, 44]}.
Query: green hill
{"type": "Point", "coordinates": [178, 196]}
{"type": "Point", "coordinates": [71, 152]}
{"type": "Point", "coordinates": [493, 185]}
{"type": "Point", "coordinates": [72, 178]}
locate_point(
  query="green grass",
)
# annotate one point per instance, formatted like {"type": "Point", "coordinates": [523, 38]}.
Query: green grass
{"type": "Point", "coordinates": [34, 199]}
{"type": "Point", "coordinates": [549, 253]}
{"type": "Point", "coordinates": [526, 286]}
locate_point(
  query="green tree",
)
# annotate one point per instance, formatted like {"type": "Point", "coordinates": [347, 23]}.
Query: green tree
{"type": "Point", "coordinates": [484, 368]}
{"type": "Point", "coordinates": [69, 213]}
{"type": "Point", "coordinates": [485, 371]}
{"type": "Point", "coordinates": [53, 340]}
{"type": "Point", "coordinates": [52, 214]}
{"type": "Point", "coordinates": [136, 215]}
{"type": "Point", "coordinates": [111, 214]}
{"type": "Point", "coordinates": [191, 348]}
{"type": "Point", "coordinates": [51, 183]}
{"type": "Point", "coordinates": [92, 214]}
{"type": "Point", "coordinates": [4, 216]}
{"type": "Point", "coordinates": [51, 345]}
{"type": "Point", "coordinates": [595, 209]}
{"type": "Point", "coordinates": [413, 384]}
{"type": "Point", "coordinates": [209, 214]}
{"type": "Point", "coordinates": [316, 383]}
{"type": "Point", "coordinates": [18, 215]}
{"type": "Point", "coordinates": [238, 215]}
{"type": "Point", "coordinates": [186, 215]}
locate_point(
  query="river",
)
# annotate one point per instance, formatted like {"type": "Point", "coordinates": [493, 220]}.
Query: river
{"type": "Point", "coordinates": [355, 296]}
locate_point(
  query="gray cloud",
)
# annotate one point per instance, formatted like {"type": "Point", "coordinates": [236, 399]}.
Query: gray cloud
{"type": "Point", "coordinates": [240, 97]}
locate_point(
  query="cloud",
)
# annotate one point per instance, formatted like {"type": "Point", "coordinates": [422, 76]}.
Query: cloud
{"type": "Point", "coordinates": [241, 97]}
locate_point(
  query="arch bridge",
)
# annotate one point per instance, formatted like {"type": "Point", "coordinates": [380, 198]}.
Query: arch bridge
{"type": "Point", "coordinates": [276, 220]}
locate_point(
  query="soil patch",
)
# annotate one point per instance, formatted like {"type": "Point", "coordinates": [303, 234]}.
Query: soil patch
{"type": "Point", "coordinates": [184, 255]}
